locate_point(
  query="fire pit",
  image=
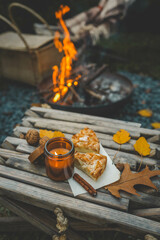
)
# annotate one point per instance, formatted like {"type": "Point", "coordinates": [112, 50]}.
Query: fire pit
{"type": "Point", "coordinates": [82, 87]}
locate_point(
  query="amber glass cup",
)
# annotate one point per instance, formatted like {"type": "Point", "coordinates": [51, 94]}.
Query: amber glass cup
{"type": "Point", "coordinates": [59, 158]}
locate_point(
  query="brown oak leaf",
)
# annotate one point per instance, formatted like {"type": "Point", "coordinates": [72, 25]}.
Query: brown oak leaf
{"type": "Point", "coordinates": [128, 180]}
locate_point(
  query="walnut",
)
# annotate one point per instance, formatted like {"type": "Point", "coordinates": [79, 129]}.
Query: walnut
{"type": "Point", "coordinates": [32, 137]}
{"type": "Point", "coordinates": [43, 140]}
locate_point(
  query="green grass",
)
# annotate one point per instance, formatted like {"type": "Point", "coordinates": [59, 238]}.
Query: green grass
{"type": "Point", "coordinates": [140, 50]}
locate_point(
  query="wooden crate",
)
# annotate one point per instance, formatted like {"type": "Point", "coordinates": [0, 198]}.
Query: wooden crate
{"type": "Point", "coordinates": [28, 183]}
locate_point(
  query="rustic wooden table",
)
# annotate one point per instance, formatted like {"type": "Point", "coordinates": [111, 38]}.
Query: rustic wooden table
{"type": "Point", "coordinates": [27, 191]}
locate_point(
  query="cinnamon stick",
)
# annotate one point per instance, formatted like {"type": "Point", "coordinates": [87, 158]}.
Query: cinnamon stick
{"type": "Point", "coordinates": [85, 184]}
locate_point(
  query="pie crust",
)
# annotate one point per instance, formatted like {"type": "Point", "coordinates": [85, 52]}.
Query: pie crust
{"type": "Point", "coordinates": [92, 164]}
{"type": "Point", "coordinates": [86, 141]}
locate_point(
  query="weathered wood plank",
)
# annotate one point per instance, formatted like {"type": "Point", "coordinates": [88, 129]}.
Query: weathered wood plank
{"type": "Point", "coordinates": [154, 139]}
{"type": "Point", "coordinates": [25, 148]}
{"type": "Point", "coordinates": [153, 213]}
{"type": "Point", "coordinates": [24, 164]}
{"type": "Point", "coordinates": [110, 144]}
{"type": "Point", "coordinates": [76, 208]}
{"type": "Point", "coordinates": [62, 187]}
{"type": "Point", "coordinates": [19, 224]}
{"type": "Point", "coordinates": [24, 129]}
{"type": "Point", "coordinates": [7, 145]}
{"type": "Point", "coordinates": [81, 117]}
{"type": "Point", "coordinates": [133, 157]}
{"type": "Point", "coordinates": [144, 199]}
{"type": "Point", "coordinates": [5, 153]}
{"type": "Point", "coordinates": [38, 218]}
{"type": "Point", "coordinates": [142, 131]}
{"type": "Point", "coordinates": [70, 127]}
{"type": "Point", "coordinates": [122, 157]}
{"type": "Point", "coordinates": [102, 137]}
{"type": "Point", "coordinates": [15, 141]}
{"type": "Point", "coordinates": [30, 113]}
{"type": "Point", "coordinates": [2, 161]}
{"type": "Point", "coordinates": [148, 132]}
{"type": "Point", "coordinates": [15, 224]}
{"type": "Point", "coordinates": [73, 128]}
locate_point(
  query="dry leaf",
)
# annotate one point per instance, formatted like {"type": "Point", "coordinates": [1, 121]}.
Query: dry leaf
{"type": "Point", "coordinates": [148, 90]}
{"type": "Point", "coordinates": [145, 113]}
{"type": "Point", "coordinates": [128, 180]}
{"type": "Point", "coordinates": [121, 137]}
{"type": "Point", "coordinates": [50, 134]}
{"type": "Point", "coordinates": [155, 125]}
{"type": "Point", "coordinates": [142, 147]}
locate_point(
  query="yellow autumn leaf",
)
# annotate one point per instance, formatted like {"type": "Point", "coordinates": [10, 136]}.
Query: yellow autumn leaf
{"type": "Point", "coordinates": [145, 112]}
{"type": "Point", "coordinates": [121, 137]}
{"type": "Point", "coordinates": [58, 134]}
{"type": "Point", "coordinates": [142, 147]}
{"type": "Point", "coordinates": [155, 125]}
{"type": "Point", "coordinates": [50, 134]}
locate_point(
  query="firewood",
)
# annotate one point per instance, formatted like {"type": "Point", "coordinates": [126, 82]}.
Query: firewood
{"type": "Point", "coordinates": [95, 75]}
{"type": "Point", "coordinates": [98, 96]}
{"type": "Point", "coordinates": [76, 94]}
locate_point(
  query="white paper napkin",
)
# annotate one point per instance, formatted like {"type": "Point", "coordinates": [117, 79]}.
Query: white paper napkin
{"type": "Point", "coordinates": [111, 174]}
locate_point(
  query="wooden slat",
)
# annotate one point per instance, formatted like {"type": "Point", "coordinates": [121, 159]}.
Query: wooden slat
{"type": "Point", "coordinates": [5, 153]}
{"type": "Point", "coordinates": [15, 224]}
{"type": "Point", "coordinates": [121, 156]}
{"type": "Point", "coordinates": [73, 128]}
{"type": "Point", "coordinates": [142, 131]}
{"type": "Point", "coordinates": [153, 213]}
{"type": "Point", "coordinates": [76, 208]}
{"type": "Point", "coordinates": [23, 164]}
{"type": "Point", "coordinates": [133, 157]}
{"type": "Point", "coordinates": [62, 187]}
{"type": "Point", "coordinates": [106, 144]}
{"type": "Point", "coordinates": [82, 117]}
{"type": "Point", "coordinates": [38, 218]}
{"type": "Point", "coordinates": [144, 199]}
{"type": "Point", "coordinates": [76, 225]}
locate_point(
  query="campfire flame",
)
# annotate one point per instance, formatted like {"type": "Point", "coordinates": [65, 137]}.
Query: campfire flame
{"type": "Point", "coordinates": [61, 77]}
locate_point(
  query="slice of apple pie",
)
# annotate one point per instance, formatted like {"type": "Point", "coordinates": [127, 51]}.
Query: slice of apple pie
{"type": "Point", "coordinates": [86, 141]}
{"type": "Point", "coordinates": [92, 164]}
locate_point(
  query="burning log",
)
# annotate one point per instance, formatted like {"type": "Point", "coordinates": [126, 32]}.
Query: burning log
{"type": "Point", "coordinates": [98, 96]}
{"type": "Point", "coordinates": [95, 75]}
{"type": "Point", "coordinates": [76, 95]}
